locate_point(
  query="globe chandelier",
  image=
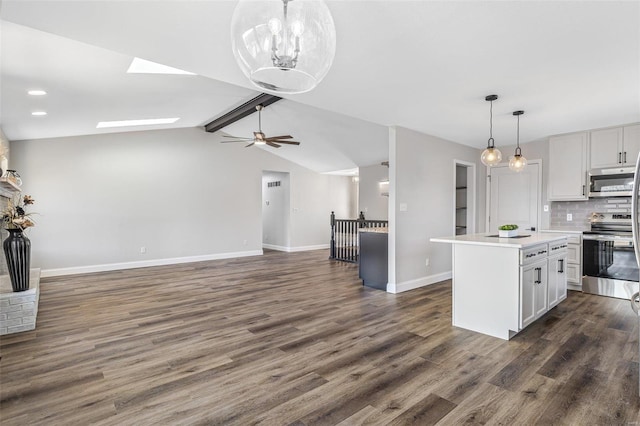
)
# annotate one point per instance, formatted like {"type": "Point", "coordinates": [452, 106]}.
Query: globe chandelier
{"type": "Point", "coordinates": [283, 46]}
{"type": "Point", "coordinates": [517, 163]}
{"type": "Point", "coordinates": [491, 156]}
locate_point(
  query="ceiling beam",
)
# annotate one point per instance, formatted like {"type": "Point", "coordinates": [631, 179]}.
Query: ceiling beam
{"type": "Point", "coordinates": [240, 112]}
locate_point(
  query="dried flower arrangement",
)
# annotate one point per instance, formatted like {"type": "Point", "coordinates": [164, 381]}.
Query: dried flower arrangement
{"type": "Point", "coordinates": [15, 216]}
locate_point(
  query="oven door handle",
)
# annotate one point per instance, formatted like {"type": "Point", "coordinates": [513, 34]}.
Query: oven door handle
{"type": "Point", "coordinates": [635, 299]}
{"type": "Point", "coordinates": [634, 209]}
{"type": "Point", "coordinates": [607, 238]}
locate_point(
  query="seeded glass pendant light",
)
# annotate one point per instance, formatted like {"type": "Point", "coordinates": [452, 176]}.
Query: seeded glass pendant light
{"type": "Point", "coordinates": [517, 163]}
{"type": "Point", "coordinates": [492, 155]}
{"type": "Point", "coordinates": [283, 46]}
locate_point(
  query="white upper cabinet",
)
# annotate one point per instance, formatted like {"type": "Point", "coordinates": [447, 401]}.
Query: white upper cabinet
{"type": "Point", "coordinates": [606, 148]}
{"type": "Point", "coordinates": [631, 140]}
{"type": "Point", "coordinates": [618, 146]}
{"type": "Point", "coordinates": [568, 167]}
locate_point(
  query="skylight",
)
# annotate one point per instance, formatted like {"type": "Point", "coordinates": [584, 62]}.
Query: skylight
{"type": "Point", "coordinates": [126, 123]}
{"type": "Point", "coordinates": [142, 66]}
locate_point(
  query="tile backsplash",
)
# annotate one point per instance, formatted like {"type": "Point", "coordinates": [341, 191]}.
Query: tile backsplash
{"type": "Point", "coordinates": [581, 210]}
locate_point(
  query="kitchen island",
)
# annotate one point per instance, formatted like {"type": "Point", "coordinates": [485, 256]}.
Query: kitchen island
{"type": "Point", "coordinates": [501, 285]}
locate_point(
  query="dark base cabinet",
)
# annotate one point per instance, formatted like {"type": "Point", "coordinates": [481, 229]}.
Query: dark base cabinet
{"type": "Point", "coordinates": [373, 259]}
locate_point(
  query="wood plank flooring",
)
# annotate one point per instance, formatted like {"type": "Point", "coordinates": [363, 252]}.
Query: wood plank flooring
{"type": "Point", "coordinates": [294, 339]}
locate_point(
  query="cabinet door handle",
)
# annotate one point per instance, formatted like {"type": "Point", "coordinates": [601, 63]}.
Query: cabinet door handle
{"type": "Point", "coordinates": [619, 158]}
{"type": "Point", "coordinates": [561, 266]}
{"type": "Point", "coordinates": [539, 280]}
{"type": "Point", "coordinates": [625, 157]}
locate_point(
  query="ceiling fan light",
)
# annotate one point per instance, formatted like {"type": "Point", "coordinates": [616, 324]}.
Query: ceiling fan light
{"type": "Point", "coordinates": [259, 142]}
{"type": "Point", "coordinates": [283, 46]}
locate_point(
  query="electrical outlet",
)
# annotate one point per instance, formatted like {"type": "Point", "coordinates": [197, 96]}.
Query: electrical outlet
{"type": "Point", "coordinates": [244, 242]}
{"type": "Point", "coordinates": [143, 250]}
{"type": "Point", "coordinates": [426, 263]}
{"type": "Point", "coordinates": [569, 217]}
{"type": "Point", "coordinates": [545, 208]}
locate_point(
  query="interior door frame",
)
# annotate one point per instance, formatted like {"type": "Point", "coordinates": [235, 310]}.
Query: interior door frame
{"type": "Point", "coordinates": [471, 211]}
{"type": "Point", "coordinates": [488, 194]}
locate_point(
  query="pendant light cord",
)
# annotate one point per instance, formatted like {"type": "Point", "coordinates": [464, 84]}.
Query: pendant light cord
{"type": "Point", "coordinates": [491, 142]}
{"type": "Point", "coordinates": [491, 121]}
{"type": "Point", "coordinates": [518, 150]}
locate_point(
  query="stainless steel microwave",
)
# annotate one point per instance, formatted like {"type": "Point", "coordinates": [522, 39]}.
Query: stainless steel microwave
{"type": "Point", "coordinates": [611, 182]}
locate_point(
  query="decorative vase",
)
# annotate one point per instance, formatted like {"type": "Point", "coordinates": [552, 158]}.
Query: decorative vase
{"type": "Point", "coordinates": [17, 251]}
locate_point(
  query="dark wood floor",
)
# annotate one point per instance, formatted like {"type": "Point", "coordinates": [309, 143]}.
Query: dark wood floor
{"type": "Point", "coordinates": [295, 339]}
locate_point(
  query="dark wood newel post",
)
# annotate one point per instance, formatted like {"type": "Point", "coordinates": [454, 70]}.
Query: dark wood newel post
{"type": "Point", "coordinates": [332, 254]}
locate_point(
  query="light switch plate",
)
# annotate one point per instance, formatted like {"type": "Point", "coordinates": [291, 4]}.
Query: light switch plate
{"type": "Point", "coordinates": [545, 208]}
{"type": "Point", "coordinates": [403, 207]}
{"type": "Point", "coordinates": [569, 217]}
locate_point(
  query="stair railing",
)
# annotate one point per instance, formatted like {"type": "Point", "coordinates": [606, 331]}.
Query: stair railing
{"type": "Point", "coordinates": [345, 244]}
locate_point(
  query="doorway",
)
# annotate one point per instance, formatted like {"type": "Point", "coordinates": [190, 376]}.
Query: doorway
{"type": "Point", "coordinates": [275, 210]}
{"type": "Point", "coordinates": [464, 178]}
{"type": "Point", "coordinates": [514, 198]}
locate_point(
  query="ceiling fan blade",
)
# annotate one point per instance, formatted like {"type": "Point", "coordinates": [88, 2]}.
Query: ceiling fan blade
{"type": "Point", "coordinates": [288, 142]}
{"type": "Point", "coordinates": [251, 144]}
{"type": "Point", "coordinates": [279, 137]}
{"type": "Point", "coordinates": [275, 145]}
{"type": "Point", "coordinates": [239, 140]}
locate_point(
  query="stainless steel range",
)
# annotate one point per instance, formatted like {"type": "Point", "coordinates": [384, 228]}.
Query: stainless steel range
{"type": "Point", "coordinates": [609, 257]}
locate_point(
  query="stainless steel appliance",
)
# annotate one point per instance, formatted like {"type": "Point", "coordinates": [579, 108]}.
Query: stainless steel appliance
{"type": "Point", "coordinates": [609, 256]}
{"type": "Point", "coordinates": [634, 229]}
{"type": "Point", "coordinates": [611, 182]}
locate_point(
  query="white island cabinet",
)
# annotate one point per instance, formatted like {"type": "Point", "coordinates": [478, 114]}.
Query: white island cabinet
{"type": "Point", "coordinates": [501, 285]}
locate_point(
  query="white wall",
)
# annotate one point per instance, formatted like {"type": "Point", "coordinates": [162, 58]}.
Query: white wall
{"type": "Point", "coordinates": [275, 210]}
{"type": "Point", "coordinates": [422, 178]}
{"type": "Point", "coordinates": [5, 147]}
{"type": "Point", "coordinates": [313, 198]}
{"type": "Point", "coordinates": [374, 205]}
{"type": "Point", "coordinates": [179, 193]}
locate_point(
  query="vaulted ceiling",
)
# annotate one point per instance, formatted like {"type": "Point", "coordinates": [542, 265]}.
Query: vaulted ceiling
{"type": "Point", "coordinates": [422, 65]}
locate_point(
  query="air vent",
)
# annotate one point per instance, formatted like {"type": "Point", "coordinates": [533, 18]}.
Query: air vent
{"type": "Point", "coordinates": [273, 184]}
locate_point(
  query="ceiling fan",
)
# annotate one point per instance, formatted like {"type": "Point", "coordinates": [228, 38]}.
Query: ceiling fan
{"type": "Point", "coordinates": [260, 138]}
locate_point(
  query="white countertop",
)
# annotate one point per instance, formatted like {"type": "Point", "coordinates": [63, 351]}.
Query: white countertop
{"type": "Point", "coordinates": [380, 230]}
{"type": "Point", "coordinates": [485, 240]}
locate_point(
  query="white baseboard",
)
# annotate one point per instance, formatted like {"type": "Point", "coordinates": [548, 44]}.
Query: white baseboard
{"type": "Point", "coordinates": [573, 286]}
{"type": "Point", "coordinates": [294, 249]}
{"type": "Point", "coordinates": [418, 282]}
{"type": "Point", "coordinates": [145, 263]}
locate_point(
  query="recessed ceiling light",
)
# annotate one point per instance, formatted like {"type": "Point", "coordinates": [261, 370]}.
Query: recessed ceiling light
{"type": "Point", "coordinates": [147, 122]}
{"type": "Point", "coordinates": [39, 113]}
{"type": "Point", "coordinates": [37, 92]}
{"type": "Point", "coordinates": [142, 66]}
